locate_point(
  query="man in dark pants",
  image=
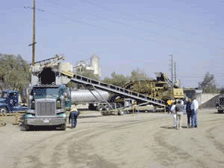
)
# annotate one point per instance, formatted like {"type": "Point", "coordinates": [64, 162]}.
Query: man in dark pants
{"type": "Point", "coordinates": [189, 113]}
{"type": "Point", "coordinates": [74, 113]}
{"type": "Point", "coordinates": [194, 108]}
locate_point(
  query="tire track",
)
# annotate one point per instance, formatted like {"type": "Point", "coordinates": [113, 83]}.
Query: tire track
{"type": "Point", "coordinates": [219, 146]}
{"type": "Point", "coordinates": [32, 154]}
{"type": "Point", "coordinates": [173, 155]}
{"type": "Point", "coordinates": [86, 154]}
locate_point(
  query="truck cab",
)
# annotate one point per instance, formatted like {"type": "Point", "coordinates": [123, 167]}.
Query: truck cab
{"type": "Point", "coordinates": [9, 102]}
{"type": "Point", "coordinates": [47, 106]}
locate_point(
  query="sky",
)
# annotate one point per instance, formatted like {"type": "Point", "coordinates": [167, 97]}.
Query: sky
{"type": "Point", "coordinates": [125, 34]}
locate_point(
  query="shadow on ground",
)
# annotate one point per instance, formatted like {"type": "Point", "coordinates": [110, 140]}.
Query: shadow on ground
{"type": "Point", "coordinates": [217, 113]}
{"type": "Point", "coordinates": [90, 116]}
{"type": "Point", "coordinates": [41, 128]}
{"type": "Point", "coordinates": [172, 127]}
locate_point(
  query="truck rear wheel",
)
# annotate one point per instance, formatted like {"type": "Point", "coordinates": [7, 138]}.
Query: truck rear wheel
{"type": "Point", "coordinates": [3, 110]}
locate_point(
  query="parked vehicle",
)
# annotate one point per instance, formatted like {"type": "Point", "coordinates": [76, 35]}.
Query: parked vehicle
{"type": "Point", "coordinates": [9, 102]}
{"type": "Point", "coordinates": [220, 104]}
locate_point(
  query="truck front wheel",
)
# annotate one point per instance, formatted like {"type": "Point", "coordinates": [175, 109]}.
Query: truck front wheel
{"type": "Point", "coordinates": [3, 110]}
{"type": "Point", "coordinates": [27, 127]}
{"type": "Point", "coordinates": [220, 111]}
{"type": "Point", "coordinates": [63, 127]}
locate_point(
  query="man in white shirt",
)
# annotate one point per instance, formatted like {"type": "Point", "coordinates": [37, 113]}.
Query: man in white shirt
{"type": "Point", "coordinates": [173, 111]}
{"type": "Point", "coordinates": [194, 118]}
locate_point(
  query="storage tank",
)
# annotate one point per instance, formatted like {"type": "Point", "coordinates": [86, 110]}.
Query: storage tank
{"type": "Point", "coordinates": [85, 96]}
{"type": "Point", "coordinates": [95, 65]}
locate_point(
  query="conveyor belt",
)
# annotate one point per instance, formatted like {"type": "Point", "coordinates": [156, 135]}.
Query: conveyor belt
{"type": "Point", "coordinates": [112, 88]}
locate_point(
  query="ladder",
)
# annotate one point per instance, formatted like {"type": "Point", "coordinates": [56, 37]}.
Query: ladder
{"type": "Point", "coordinates": [112, 88]}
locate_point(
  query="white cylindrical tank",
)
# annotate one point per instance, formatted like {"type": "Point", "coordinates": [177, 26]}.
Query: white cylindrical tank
{"type": "Point", "coordinates": [95, 65]}
{"type": "Point", "coordinates": [85, 96]}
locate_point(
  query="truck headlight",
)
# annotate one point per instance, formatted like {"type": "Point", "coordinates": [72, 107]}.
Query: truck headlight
{"type": "Point", "coordinates": [58, 104]}
{"type": "Point", "coordinates": [29, 116]}
{"type": "Point", "coordinates": [62, 115]}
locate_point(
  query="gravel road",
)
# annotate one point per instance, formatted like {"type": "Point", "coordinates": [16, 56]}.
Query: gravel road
{"type": "Point", "coordinates": [132, 140]}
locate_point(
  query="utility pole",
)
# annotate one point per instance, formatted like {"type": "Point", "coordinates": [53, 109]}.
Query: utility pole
{"type": "Point", "coordinates": [171, 75]}
{"type": "Point", "coordinates": [175, 72]}
{"type": "Point", "coordinates": [33, 45]}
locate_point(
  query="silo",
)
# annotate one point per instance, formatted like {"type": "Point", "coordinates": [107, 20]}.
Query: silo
{"type": "Point", "coordinates": [95, 64]}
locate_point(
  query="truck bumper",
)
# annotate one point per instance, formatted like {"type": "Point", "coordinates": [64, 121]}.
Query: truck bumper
{"type": "Point", "coordinates": [45, 121]}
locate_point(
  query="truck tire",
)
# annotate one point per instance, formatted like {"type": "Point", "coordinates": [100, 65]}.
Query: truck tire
{"type": "Point", "coordinates": [63, 127]}
{"type": "Point", "coordinates": [220, 111]}
{"type": "Point", "coordinates": [120, 112]}
{"type": "Point", "coordinates": [3, 110]}
{"type": "Point", "coordinates": [27, 127]}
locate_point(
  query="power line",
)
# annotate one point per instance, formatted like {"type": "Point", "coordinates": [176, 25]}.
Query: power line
{"type": "Point", "coordinates": [191, 40]}
{"type": "Point", "coordinates": [96, 26]}
{"type": "Point", "coordinates": [132, 16]}
{"type": "Point", "coordinates": [126, 25]}
{"type": "Point", "coordinates": [117, 32]}
{"type": "Point", "coordinates": [139, 18]}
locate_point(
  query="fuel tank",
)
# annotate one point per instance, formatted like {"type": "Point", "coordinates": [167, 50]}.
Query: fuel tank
{"type": "Point", "coordinates": [85, 96]}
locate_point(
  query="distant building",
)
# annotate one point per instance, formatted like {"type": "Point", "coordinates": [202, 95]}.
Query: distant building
{"type": "Point", "coordinates": [93, 66]}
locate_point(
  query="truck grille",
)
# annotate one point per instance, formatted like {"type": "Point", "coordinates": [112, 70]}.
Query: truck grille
{"type": "Point", "coordinates": [45, 107]}
{"type": "Point", "coordinates": [221, 101]}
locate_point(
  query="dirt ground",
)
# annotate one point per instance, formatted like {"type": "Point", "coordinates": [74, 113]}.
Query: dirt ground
{"type": "Point", "coordinates": [128, 141]}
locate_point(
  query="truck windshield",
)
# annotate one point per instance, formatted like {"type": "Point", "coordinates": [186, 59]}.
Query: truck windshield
{"type": "Point", "coordinates": [45, 92]}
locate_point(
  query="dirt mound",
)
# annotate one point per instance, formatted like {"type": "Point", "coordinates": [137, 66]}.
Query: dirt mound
{"type": "Point", "coordinates": [210, 103]}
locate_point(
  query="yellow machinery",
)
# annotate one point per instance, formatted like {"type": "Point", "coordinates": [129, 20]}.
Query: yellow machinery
{"type": "Point", "coordinates": [159, 88]}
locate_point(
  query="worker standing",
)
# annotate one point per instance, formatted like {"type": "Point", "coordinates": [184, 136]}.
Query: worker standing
{"type": "Point", "coordinates": [74, 113]}
{"type": "Point", "coordinates": [173, 107]}
{"type": "Point", "coordinates": [194, 118]}
{"type": "Point", "coordinates": [169, 103]}
{"type": "Point", "coordinates": [180, 111]}
{"type": "Point", "coordinates": [189, 113]}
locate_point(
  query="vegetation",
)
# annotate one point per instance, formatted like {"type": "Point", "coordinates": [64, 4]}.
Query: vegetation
{"type": "Point", "coordinates": [116, 79]}
{"type": "Point", "coordinates": [208, 84]}
{"type": "Point", "coordinates": [14, 72]}
{"type": "Point", "coordinates": [120, 80]}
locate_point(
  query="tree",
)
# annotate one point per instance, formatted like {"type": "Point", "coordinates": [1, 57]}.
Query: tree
{"type": "Point", "coordinates": [208, 85]}
{"type": "Point", "coordinates": [116, 79]}
{"type": "Point", "coordinates": [14, 72]}
{"type": "Point", "coordinates": [222, 90]}
{"type": "Point", "coordinates": [138, 75]}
